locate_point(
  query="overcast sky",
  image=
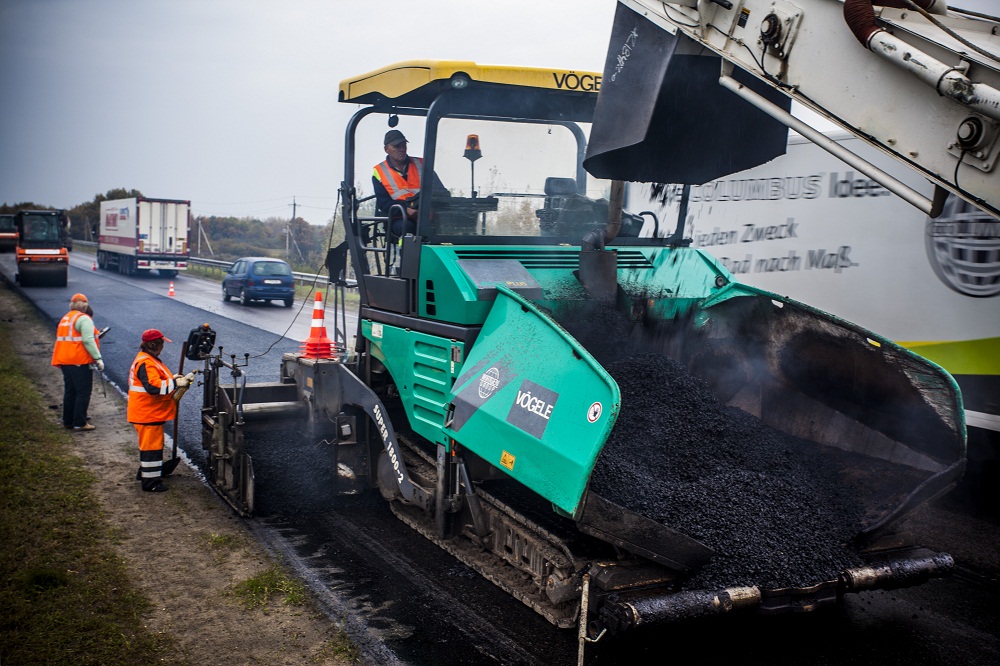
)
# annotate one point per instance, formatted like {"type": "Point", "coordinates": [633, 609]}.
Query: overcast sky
{"type": "Point", "coordinates": [232, 103]}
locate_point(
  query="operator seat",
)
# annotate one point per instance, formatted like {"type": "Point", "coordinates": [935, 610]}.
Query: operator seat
{"type": "Point", "coordinates": [565, 211]}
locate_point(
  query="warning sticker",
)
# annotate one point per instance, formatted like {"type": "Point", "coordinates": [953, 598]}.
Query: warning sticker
{"type": "Point", "coordinates": [507, 460]}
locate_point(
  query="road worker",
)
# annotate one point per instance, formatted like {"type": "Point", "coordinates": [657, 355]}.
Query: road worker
{"type": "Point", "coordinates": [397, 180]}
{"type": "Point", "coordinates": [74, 353]}
{"type": "Point", "coordinates": [151, 404]}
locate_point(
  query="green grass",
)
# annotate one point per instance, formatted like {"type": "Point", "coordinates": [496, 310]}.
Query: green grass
{"type": "Point", "coordinates": [220, 546]}
{"type": "Point", "coordinates": [65, 596]}
{"type": "Point", "coordinates": [221, 542]}
{"type": "Point", "coordinates": [341, 647]}
{"type": "Point", "coordinates": [257, 591]}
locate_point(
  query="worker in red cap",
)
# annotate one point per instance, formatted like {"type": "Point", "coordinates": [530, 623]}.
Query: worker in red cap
{"type": "Point", "coordinates": [74, 353]}
{"type": "Point", "coordinates": [151, 404]}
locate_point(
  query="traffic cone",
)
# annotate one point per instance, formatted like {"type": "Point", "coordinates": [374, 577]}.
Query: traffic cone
{"type": "Point", "coordinates": [317, 345]}
{"type": "Point", "coordinates": [171, 292]}
{"type": "Point", "coordinates": [94, 266]}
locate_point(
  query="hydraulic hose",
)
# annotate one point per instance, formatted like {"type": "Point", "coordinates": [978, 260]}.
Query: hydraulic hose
{"type": "Point", "coordinates": [860, 14]}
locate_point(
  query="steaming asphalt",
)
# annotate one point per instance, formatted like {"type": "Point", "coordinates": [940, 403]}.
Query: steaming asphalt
{"type": "Point", "coordinates": [405, 601]}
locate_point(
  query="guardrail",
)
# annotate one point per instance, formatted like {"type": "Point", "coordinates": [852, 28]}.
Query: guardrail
{"type": "Point", "coordinates": [304, 279]}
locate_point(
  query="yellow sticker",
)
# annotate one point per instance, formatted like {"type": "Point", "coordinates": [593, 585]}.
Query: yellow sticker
{"type": "Point", "coordinates": [507, 460]}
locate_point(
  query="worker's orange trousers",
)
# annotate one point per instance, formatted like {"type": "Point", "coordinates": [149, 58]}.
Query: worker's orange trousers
{"type": "Point", "coordinates": [150, 453]}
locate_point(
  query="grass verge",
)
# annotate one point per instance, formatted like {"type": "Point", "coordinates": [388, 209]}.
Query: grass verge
{"type": "Point", "coordinates": [65, 597]}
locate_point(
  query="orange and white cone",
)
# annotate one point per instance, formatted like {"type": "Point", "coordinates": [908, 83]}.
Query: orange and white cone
{"type": "Point", "coordinates": [317, 345]}
{"type": "Point", "coordinates": [170, 293]}
{"type": "Point", "coordinates": [94, 267]}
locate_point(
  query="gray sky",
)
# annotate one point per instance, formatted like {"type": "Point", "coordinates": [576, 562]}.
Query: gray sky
{"type": "Point", "coordinates": [232, 103]}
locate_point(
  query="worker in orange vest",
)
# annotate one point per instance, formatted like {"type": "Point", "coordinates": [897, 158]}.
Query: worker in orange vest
{"type": "Point", "coordinates": [397, 180]}
{"type": "Point", "coordinates": [151, 404]}
{"type": "Point", "coordinates": [74, 353]}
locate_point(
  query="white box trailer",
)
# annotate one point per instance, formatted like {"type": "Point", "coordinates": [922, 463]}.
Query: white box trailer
{"type": "Point", "coordinates": [810, 227]}
{"type": "Point", "coordinates": [142, 234]}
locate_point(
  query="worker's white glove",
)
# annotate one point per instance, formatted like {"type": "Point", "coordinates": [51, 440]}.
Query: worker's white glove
{"type": "Point", "coordinates": [99, 364]}
{"type": "Point", "coordinates": [184, 380]}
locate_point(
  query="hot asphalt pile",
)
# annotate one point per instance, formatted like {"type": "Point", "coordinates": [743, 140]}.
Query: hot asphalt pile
{"type": "Point", "coordinates": [770, 505]}
{"type": "Point", "coordinates": [778, 511]}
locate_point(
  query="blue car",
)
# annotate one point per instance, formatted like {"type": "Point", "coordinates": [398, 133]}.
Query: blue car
{"type": "Point", "coordinates": [259, 279]}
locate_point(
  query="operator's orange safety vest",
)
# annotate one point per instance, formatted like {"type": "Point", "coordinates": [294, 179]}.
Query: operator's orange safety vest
{"type": "Point", "coordinates": [69, 349]}
{"type": "Point", "coordinates": [398, 187]}
{"type": "Point", "coordinates": [146, 407]}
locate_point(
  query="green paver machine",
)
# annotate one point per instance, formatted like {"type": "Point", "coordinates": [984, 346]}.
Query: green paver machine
{"type": "Point", "coordinates": [466, 400]}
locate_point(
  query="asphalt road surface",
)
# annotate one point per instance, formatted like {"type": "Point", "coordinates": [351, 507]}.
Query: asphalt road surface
{"type": "Point", "coordinates": [405, 601]}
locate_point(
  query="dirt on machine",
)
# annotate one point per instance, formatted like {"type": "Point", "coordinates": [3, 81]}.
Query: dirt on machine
{"type": "Point", "coordinates": [571, 400]}
{"type": "Point", "coordinates": [42, 250]}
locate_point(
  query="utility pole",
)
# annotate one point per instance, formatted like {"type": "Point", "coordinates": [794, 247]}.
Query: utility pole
{"type": "Point", "coordinates": [203, 234]}
{"type": "Point", "coordinates": [288, 231]}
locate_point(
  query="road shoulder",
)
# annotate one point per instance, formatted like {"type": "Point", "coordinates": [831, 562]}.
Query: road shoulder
{"type": "Point", "coordinates": [185, 548]}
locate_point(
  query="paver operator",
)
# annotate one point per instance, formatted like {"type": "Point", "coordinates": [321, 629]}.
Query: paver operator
{"type": "Point", "coordinates": [397, 181]}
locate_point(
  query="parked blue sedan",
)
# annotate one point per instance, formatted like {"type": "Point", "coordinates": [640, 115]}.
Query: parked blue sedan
{"type": "Point", "coordinates": [259, 279]}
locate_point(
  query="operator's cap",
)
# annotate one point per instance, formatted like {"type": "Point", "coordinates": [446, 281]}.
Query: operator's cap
{"type": "Point", "coordinates": [151, 334]}
{"type": "Point", "coordinates": [78, 297]}
{"type": "Point", "coordinates": [393, 137]}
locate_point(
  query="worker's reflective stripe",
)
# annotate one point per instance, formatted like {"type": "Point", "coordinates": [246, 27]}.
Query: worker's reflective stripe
{"type": "Point", "coordinates": [166, 388]}
{"type": "Point", "coordinates": [398, 187]}
{"type": "Point", "coordinates": [150, 453]}
{"type": "Point", "coordinates": [69, 338]}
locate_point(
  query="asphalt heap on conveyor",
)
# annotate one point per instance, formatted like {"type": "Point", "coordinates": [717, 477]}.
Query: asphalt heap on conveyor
{"type": "Point", "coordinates": [776, 509]}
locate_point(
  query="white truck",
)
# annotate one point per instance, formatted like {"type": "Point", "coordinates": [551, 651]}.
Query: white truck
{"type": "Point", "coordinates": [808, 226]}
{"type": "Point", "coordinates": [143, 234]}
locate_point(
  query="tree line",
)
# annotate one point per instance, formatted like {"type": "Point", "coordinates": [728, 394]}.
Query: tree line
{"type": "Point", "coordinates": [301, 244]}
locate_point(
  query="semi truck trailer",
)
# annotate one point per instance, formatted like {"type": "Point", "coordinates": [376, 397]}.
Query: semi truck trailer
{"type": "Point", "coordinates": [142, 235]}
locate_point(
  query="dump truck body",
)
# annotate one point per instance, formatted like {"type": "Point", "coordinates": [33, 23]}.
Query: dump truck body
{"type": "Point", "coordinates": [143, 234]}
